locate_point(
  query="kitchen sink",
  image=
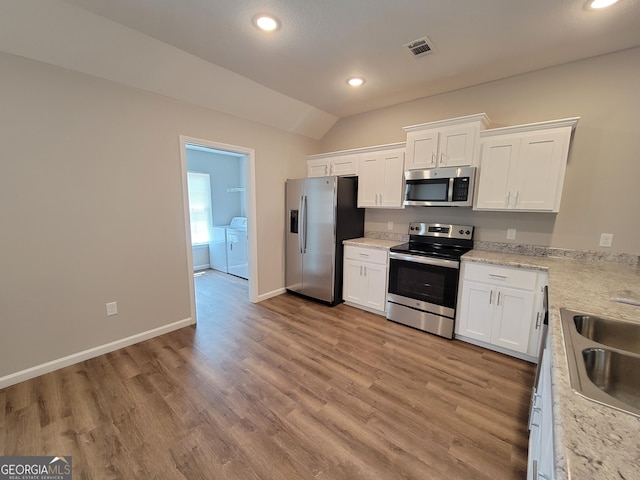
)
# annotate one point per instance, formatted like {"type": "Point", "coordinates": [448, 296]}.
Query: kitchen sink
{"type": "Point", "coordinates": [615, 373]}
{"type": "Point", "coordinates": [613, 333]}
{"type": "Point", "coordinates": [603, 355]}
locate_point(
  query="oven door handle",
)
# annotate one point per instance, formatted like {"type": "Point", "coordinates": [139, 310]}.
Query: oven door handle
{"type": "Point", "coordinates": [425, 260]}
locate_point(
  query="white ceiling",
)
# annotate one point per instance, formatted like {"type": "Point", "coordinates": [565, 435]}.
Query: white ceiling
{"type": "Point", "coordinates": [322, 42]}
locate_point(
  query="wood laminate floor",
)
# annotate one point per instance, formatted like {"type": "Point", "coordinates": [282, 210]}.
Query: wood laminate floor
{"type": "Point", "coordinates": [284, 389]}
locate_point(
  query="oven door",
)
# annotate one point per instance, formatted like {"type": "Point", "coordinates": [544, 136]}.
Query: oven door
{"type": "Point", "coordinates": [424, 283]}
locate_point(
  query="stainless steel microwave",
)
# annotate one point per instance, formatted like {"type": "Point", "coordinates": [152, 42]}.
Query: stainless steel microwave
{"type": "Point", "coordinates": [440, 187]}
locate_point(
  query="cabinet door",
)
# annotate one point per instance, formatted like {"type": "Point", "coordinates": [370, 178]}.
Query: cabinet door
{"type": "Point", "coordinates": [498, 163]}
{"type": "Point", "coordinates": [541, 167]}
{"type": "Point", "coordinates": [422, 149]}
{"type": "Point", "coordinates": [456, 146]}
{"type": "Point", "coordinates": [375, 277]}
{"type": "Point", "coordinates": [344, 165]}
{"type": "Point", "coordinates": [392, 193]}
{"type": "Point", "coordinates": [512, 319]}
{"type": "Point", "coordinates": [353, 287]}
{"type": "Point", "coordinates": [318, 167]}
{"type": "Point", "coordinates": [370, 180]}
{"type": "Point", "coordinates": [476, 311]}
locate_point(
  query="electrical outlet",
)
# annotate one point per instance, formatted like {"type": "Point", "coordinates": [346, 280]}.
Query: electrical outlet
{"type": "Point", "coordinates": [511, 234]}
{"type": "Point", "coordinates": [389, 225]}
{"type": "Point", "coordinates": [606, 239]}
{"type": "Point", "coordinates": [112, 308]}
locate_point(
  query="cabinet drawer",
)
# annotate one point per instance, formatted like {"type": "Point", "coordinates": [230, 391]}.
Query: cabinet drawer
{"type": "Point", "coordinates": [497, 275]}
{"type": "Point", "coordinates": [373, 255]}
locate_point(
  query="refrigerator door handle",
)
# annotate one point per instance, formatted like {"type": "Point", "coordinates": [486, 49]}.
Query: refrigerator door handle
{"type": "Point", "coordinates": [304, 224]}
{"type": "Point", "coordinates": [301, 223]}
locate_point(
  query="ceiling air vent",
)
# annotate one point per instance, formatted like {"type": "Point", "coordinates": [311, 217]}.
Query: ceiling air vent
{"type": "Point", "coordinates": [420, 47]}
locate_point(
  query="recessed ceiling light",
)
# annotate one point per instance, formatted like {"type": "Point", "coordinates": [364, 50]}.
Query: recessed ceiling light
{"type": "Point", "coordinates": [355, 81]}
{"type": "Point", "coordinates": [598, 4]}
{"type": "Point", "coordinates": [267, 23]}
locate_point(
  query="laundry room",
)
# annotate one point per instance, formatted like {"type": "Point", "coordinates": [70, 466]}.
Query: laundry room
{"type": "Point", "coordinates": [217, 204]}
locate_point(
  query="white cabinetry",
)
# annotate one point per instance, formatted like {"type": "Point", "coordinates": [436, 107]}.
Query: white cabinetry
{"type": "Point", "coordinates": [324, 165]}
{"type": "Point", "coordinates": [501, 308]}
{"type": "Point", "coordinates": [381, 179]}
{"type": "Point", "coordinates": [447, 143]}
{"type": "Point", "coordinates": [540, 464]}
{"type": "Point", "coordinates": [522, 168]}
{"type": "Point", "coordinates": [365, 278]}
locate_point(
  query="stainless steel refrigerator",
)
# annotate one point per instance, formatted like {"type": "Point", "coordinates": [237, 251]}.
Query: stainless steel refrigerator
{"type": "Point", "coordinates": [321, 213]}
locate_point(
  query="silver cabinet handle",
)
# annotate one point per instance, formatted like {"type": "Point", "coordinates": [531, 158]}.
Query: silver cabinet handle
{"type": "Point", "coordinates": [494, 275]}
{"type": "Point", "coordinates": [433, 159]}
{"type": "Point", "coordinates": [360, 270]}
{"type": "Point", "coordinates": [498, 303]}
{"type": "Point", "coordinates": [490, 297]}
{"type": "Point", "coordinates": [517, 197]}
{"type": "Point", "coordinates": [508, 198]}
{"type": "Point", "coordinates": [365, 271]}
{"type": "Point", "coordinates": [363, 254]}
{"type": "Point", "coordinates": [442, 158]}
{"type": "Point", "coordinates": [538, 317]}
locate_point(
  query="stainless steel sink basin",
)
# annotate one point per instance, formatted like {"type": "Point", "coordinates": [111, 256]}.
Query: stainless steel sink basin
{"type": "Point", "coordinates": [615, 373]}
{"type": "Point", "coordinates": [603, 355]}
{"type": "Point", "coordinates": [613, 333]}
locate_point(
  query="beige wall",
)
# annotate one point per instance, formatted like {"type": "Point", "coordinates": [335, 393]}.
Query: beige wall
{"type": "Point", "coordinates": [91, 208]}
{"type": "Point", "coordinates": [601, 191]}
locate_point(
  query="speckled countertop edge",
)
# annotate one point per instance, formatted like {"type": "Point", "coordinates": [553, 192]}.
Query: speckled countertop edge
{"type": "Point", "coordinates": [369, 242]}
{"type": "Point", "coordinates": [591, 440]}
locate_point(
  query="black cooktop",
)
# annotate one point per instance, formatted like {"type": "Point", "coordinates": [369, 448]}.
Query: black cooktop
{"type": "Point", "coordinates": [437, 240]}
{"type": "Point", "coordinates": [433, 250]}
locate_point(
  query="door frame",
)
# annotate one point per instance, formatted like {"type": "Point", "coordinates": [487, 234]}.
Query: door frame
{"type": "Point", "coordinates": [250, 183]}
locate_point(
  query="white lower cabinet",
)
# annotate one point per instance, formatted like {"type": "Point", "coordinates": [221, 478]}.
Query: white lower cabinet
{"type": "Point", "coordinates": [365, 278]}
{"type": "Point", "coordinates": [501, 308]}
{"type": "Point", "coordinates": [541, 453]}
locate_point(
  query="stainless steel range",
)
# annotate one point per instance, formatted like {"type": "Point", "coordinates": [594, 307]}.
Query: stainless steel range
{"type": "Point", "coordinates": [423, 276]}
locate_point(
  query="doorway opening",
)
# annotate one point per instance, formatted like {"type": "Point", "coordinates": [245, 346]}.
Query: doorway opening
{"type": "Point", "coordinates": [219, 204]}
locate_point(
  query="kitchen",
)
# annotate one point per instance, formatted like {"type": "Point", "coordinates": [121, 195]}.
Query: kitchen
{"type": "Point", "coordinates": [603, 160]}
{"type": "Point", "coordinates": [492, 263]}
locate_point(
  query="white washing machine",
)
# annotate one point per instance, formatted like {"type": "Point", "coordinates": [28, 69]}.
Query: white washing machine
{"type": "Point", "coordinates": [237, 256]}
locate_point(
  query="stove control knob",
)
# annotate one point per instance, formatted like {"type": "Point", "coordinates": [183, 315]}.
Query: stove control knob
{"type": "Point", "coordinates": [461, 232]}
{"type": "Point", "coordinates": [468, 232]}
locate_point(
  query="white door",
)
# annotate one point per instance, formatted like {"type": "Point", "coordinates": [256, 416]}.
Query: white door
{"type": "Point", "coordinates": [497, 169]}
{"type": "Point", "coordinates": [512, 319]}
{"type": "Point", "coordinates": [476, 311]}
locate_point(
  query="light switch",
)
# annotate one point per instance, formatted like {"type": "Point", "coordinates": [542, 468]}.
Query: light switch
{"type": "Point", "coordinates": [511, 234]}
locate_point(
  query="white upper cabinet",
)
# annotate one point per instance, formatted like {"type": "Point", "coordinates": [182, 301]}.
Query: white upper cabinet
{"type": "Point", "coordinates": [522, 168]}
{"type": "Point", "coordinates": [381, 179]}
{"type": "Point", "coordinates": [447, 143]}
{"type": "Point", "coordinates": [323, 165]}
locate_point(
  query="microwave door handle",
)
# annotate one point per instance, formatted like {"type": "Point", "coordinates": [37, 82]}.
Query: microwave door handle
{"type": "Point", "coordinates": [450, 190]}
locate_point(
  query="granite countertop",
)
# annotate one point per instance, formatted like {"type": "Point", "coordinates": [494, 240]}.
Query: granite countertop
{"type": "Point", "coordinates": [591, 440]}
{"type": "Point", "coordinates": [369, 242]}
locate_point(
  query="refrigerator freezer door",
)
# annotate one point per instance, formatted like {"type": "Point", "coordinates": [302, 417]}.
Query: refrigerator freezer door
{"type": "Point", "coordinates": [293, 239]}
{"type": "Point", "coordinates": [319, 238]}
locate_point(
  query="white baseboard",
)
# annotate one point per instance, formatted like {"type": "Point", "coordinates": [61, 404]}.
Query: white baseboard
{"type": "Point", "coordinates": [273, 293]}
{"type": "Point", "coordinates": [38, 370]}
{"type": "Point", "coordinates": [204, 266]}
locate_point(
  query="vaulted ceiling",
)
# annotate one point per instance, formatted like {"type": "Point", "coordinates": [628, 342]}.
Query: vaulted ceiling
{"type": "Point", "coordinates": [303, 66]}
